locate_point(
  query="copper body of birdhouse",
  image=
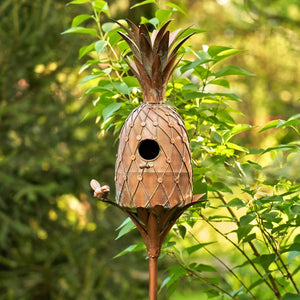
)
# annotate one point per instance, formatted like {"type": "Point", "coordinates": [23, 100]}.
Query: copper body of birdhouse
{"type": "Point", "coordinates": [154, 159]}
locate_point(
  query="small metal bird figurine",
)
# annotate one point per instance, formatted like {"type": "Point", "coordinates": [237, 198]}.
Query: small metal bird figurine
{"type": "Point", "coordinates": [100, 192]}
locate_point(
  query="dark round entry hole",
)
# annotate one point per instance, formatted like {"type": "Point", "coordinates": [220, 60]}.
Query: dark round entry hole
{"type": "Point", "coordinates": [148, 149]}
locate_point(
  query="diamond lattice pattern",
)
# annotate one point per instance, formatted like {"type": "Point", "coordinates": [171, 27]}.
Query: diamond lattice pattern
{"type": "Point", "coordinates": [165, 180]}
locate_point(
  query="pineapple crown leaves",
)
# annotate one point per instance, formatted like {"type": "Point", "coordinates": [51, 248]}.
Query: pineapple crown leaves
{"type": "Point", "coordinates": [154, 57]}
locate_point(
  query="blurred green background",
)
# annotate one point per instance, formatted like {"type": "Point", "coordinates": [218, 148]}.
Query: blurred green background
{"type": "Point", "coordinates": [56, 241]}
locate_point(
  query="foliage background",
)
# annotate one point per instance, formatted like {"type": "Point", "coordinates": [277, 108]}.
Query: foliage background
{"type": "Point", "coordinates": [56, 242]}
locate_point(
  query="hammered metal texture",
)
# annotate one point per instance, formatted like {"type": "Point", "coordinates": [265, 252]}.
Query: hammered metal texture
{"type": "Point", "coordinates": [165, 180]}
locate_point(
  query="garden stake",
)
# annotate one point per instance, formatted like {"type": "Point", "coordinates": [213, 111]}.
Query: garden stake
{"type": "Point", "coordinates": [153, 172]}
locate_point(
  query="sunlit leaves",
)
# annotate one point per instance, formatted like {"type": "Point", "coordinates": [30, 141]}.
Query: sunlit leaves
{"type": "Point", "coordinates": [83, 30]}
{"type": "Point", "coordinates": [133, 248]}
{"type": "Point", "coordinates": [126, 226]}
{"type": "Point", "coordinates": [101, 6]}
{"type": "Point", "coordinates": [176, 7]}
{"type": "Point", "coordinates": [143, 3]}
{"type": "Point", "coordinates": [232, 70]}
{"type": "Point", "coordinates": [291, 122]}
{"type": "Point", "coordinates": [78, 1]}
{"type": "Point", "coordinates": [100, 46]}
{"type": "Point", "coordinates": [79, 19]}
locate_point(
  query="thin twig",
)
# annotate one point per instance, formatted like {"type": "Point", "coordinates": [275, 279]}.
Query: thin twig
{"type": "Point", "coordinates": [250, 243]}
{"type": "Point", "coordinates": [243, 252]}
{"type": "Point", "coordinates": [227, 267]}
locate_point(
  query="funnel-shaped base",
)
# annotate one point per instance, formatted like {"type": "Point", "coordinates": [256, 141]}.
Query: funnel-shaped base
{"type": "Point", "coordinates": [154, 224]}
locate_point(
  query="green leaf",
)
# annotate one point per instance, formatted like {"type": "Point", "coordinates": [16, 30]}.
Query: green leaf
{"type": "Point", "coordinates": [236, 130]}
{"type": "Point", "coordinates": [182, 230]}
{"type": "Point", "coordinates": [236, 202]}
{"type": "Point", "coordinates": [229, 52]}
{"type": "Point", "coordinates": [195, 248]}
{"type": "Point", "coordinates": [107, 27]}
{"type": "Point", "coordinates": [243, 231]}
{"type": "Point", "coordinates": [175, 272]}
{"type": "Point", "coordinates": [265, 260]}
{"type": "Point", "coordinates": [143, 3]}
{"type": "Point", "coordinates": [290, 296]}
{"type": "Point", "coordinates": [246, 219]}
{"type": "Point", "coordinates": [199, 187]}
{"type": "Point", "coordinates": [288, 123]}
{"type": "Point", "coordinates": [297, 116]}
{"type": "Point", "coordinates": [286, 147]}
{"type": "Point", "coordinates": [131, 81]}
{"type": "Point", "coordinates": [78, 2]}
{"type": "Point", "coordinates": [101, 7]}
{"type": "Point", "coordinates": [86, 49]}
{"type": "Point", "coordinates": [94, 111]}
{"type": "Point", "coordinates": [295, 209]}
{"type": "Point", "coordinates": [113, 37]}
{"type": "Point", "coordinates": [163, 15]}
{"type": "Point", "coordinates": [249, 237]}
{"type": "Point", "coordinates": [133, 248]}
{"type": "Point", "coordinates": [204, 268]}
{"type": "Point", "coordinates": [153, 21]}
{"type": "Point", "coordinates": [191, 65]}
{"type": "Point", "coordinates": [292, 255]}
{"type": "Point", "coordinates": [221, 82]}
{"type": "Point", "coordinates": [221, 187]}
{"type": "Point", "coordinates": [217, 137]}
{"type": "Point", "coordinates": [79, 19]}
{"type": "Point", "coordinates": [190, 31]}
{"type": "Point", "coordinates": [237, 147]}
{"type": "Point", "coordinates": [202, 73]}
{"type": "Point", "coordinates": [214, 50]}
{"type": "Point", "coordinates": [257, 282]}
{"type": "Point", "coordinates": [125, 227]}
{"type": "Point", "coordinates": [110, 109]}
{"type": "Point", "coordinates": [271, 124]}
{"type": "Point", "coordinates": [176, 7]}
{"type": "Point", "coordinates": [239, 128]}
{"type": "Point", "coordinates": [99, 89]}
{"type": "Point", "coordinates": [88, 64]}
{"type": "Point", "coordinates": [79, 29]}
{"type": "Point", "coordinates": [232, 70]}
{"type": "Point", "coordinates": [100, 46]}
{"type": "Point", "coordinates": [226, 53]}
{"type": "Point", "coordinates": [121, 87]}
{"type": "Point", "coordinates": [88, 78]}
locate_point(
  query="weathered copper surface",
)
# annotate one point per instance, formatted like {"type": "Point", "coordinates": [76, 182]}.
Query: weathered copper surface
{"type": "Point", "coordinates": [153, 164]}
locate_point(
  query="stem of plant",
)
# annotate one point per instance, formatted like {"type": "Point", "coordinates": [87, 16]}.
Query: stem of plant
{"type": "Point", "coordinates": [227, 267]}
{"type": "Point", "coordinates": [255, 251]}
{"type": "Point", "coordinates": [244, 254]}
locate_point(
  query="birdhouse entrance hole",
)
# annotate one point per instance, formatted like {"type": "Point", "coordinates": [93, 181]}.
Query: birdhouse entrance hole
{"type": "Point", "coordinates": [148, 149]}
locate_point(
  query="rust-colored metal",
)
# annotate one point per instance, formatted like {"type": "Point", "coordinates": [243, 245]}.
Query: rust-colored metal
{"type": "Point", "coordinates": [153, 223]}
{"type": "Point", "coordinates": [153, 172]}
{"type": "Point", "coordinates": [154, 159]}
{"type": "Point", "coordinates": [154, 57]}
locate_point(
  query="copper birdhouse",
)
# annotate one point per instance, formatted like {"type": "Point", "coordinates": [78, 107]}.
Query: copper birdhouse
{"type": "Point", "coordinates": [154, 158]}
{"type": "Point", "coordinates": [153, 172]}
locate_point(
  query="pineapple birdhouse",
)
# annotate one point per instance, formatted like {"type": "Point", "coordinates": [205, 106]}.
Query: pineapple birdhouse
{"type": "Point", "coordinates": [154, 159]}
{"type": "Point", "coordinates": [153, 172]}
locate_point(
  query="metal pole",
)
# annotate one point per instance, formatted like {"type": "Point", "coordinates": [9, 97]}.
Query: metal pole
{"type": "Point", "coordinates": [152, 278]}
